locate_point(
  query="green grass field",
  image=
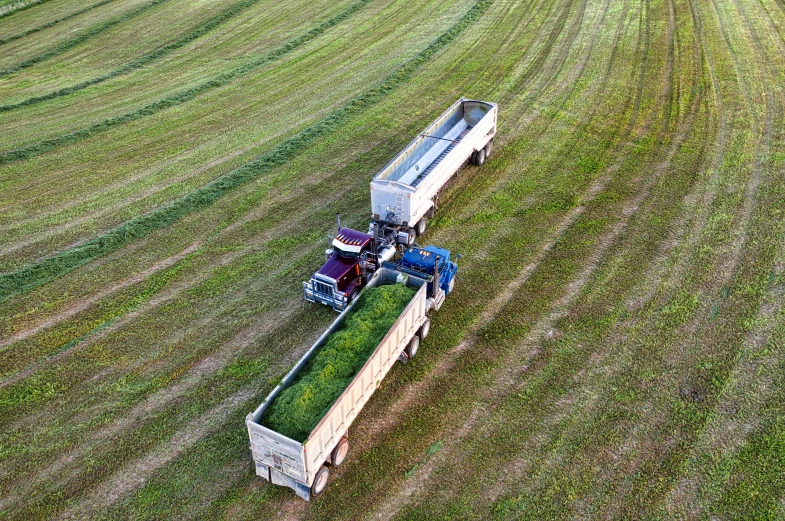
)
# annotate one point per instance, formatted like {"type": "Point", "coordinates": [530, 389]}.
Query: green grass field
{"type": "Point", "coordinates": [614, 347]}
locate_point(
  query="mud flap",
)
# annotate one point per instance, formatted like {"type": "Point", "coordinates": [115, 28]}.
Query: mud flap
{"type": "Point", "coordinates": [262, 470]}
{"type": "Point", "coordinates": [301, 489]}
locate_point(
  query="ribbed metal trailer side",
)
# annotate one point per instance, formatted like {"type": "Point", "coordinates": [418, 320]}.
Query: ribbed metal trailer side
{"type": "Point", "coordinates": [405, 190]}
{"type": "Point", "coordinates": [287, 462]}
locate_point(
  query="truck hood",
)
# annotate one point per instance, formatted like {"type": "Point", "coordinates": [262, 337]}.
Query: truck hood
{"type": "Point", "coordinates": [337, 266]}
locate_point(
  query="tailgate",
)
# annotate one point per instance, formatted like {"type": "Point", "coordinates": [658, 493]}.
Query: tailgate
{"type": "Point", "coordinates": [274, 451]}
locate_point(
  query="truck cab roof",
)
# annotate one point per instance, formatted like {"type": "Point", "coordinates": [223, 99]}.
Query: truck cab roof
{"type": "Point", "coordinates": [351, 240]}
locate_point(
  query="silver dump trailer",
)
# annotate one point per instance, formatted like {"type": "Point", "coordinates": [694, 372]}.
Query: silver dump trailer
{"type": "Point", "coordinates": [304, 466]}
{"type": "Point", "coordinates": [404, 193]}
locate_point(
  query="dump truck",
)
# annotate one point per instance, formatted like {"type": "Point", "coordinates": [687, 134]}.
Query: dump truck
{"type": "Point", "coordinates": [404, 195]}
{"type": "Point", "coordinates": [305, 466]}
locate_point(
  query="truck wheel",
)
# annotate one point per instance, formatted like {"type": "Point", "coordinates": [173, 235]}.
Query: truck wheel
{"type": "Point", "coordinates": [480, 157]}
{"type": "Point", "coordinates": [353, 295]}
{"type": "Point", "coordinates": [488, 149]}
{"type": "Point", "coordinates": [320, 481]}
{"type": "Point", "coordinates": [412, 237]}
{"type": "Point", "coordinates": [339, 452]}
{"type": "Point", "coordinates": [426, 327]}
{"type": "Point", "coordinates": [413, 347]}
{"type": "Point", "coordinates": [421, 226]}
{"type": "Point", "coordinates": [473, 158]}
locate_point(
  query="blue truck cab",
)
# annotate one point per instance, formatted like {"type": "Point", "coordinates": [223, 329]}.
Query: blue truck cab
{"type": "Point", "coordinates": [423, 261]}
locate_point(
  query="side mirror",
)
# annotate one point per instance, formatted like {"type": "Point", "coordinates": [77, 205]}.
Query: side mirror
{"type": "Point", "coordinates": [327, 254]}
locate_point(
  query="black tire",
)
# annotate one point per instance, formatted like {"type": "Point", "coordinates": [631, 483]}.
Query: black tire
{"type": "Point", "coordinates": [320, 481]}
{"type": "Point", "coordinates": [339, 452]}
{"type": "Point", "coordinates": [488, 149]}
{"type": "Point", "coordinates": [425, 328]}
{"type": "Point", "coordinates": [353, 295]}
{"type": "Point", "coordinates": [421, 226]}
{"type": "Point", "coordinates": [412, 237]}
{"type": "Point", "coordinates": [473, 158]}
{"type": "Point", "coordinates": [480, 159]}
{"type": "Point", "coordinates": [413, 347]}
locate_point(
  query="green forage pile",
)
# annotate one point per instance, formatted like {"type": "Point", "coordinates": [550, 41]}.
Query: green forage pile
{"type": "Point", "coordinates": [299, 407]}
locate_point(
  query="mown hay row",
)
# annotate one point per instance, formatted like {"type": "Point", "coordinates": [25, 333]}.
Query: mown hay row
{"type": "Point", "coordinates": [299, 407]}
{"type": "Point", "coordinates": [35, 275]}
{"type": "Point", "coordinates": [53, 22]}
{"type": "Point", "coordinates": [147, 59]}
{"type": "Point", "coordinates": [174, 100]}
{"type": "Point", "coordinates": [16, 7]}
{"type": "Point", "coordinates": [73, 42]}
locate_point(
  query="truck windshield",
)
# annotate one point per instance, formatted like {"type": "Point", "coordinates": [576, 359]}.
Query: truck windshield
{"type": "Point", "coordinates": [346, 254]}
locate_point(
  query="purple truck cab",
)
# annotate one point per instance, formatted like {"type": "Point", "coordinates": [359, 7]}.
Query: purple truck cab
{"type": "Point", "coordinates": [340, 279]}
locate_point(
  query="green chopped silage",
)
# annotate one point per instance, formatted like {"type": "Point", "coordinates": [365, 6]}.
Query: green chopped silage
{"type": "Point", "coordinates": [299, 407]}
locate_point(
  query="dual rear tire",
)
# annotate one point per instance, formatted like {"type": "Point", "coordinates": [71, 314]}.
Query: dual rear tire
{"type": "Point", "coordinates": [337, 457]}
{"type": "Point", "coordinates": [414, 343]}
{"type": "Point", "coordinates": [478, 157]}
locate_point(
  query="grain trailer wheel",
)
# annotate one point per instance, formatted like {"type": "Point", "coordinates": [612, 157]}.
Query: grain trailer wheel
{"type": "Point", "coordinates": [480, 157]}
{"type": "Point", "coordinates": [473, 158]}
{"type": "Point", "coordinates": [488, 149]}
{"type": "Point", "coordinates": [425, 328]}
{"type": "Point", "coordinates": [320, 481]}
{"type": "Point", "coordinates": [413, 347]}
{"type": "Point", "coordinates": [421, 226]}
{"type": "Point", "coordinates": [339, 452]}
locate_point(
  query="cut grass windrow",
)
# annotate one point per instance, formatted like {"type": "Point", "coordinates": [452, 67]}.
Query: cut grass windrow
{"type": "Point", "coordinates": [35, 275]}
{"type": "Point", "coordinates": [53, 22]}
{"type": "Point", "coordinates": [9, 9]}
{"type": "Point", "coordinates": [182, 97]}
{"type": "Point", "coordinates": [73, 42]}
{"type": "Point", "coordinates": [147, 59]}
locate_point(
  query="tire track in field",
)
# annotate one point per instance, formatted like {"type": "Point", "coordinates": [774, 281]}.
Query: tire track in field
{"type": "Point", "coordinates": [69, 465]}
{"type": "Point", "coordinates": [567, 88]}
{"type": "Point", "coordinates": [147, 59]}
{"type": "Point", "coordinates": [35, 275]}
{"type": "Point", "coordinates": [729, 259]}
{"type": "Point", "coordinates": [494, 308]}
{"type": "Point", "coordinates": [133, 476]}
{"type": "Point", "coordinates": [725, 433]}
{"type": "Point", "coordinates": [195, 372]}
{"type": "Point", "coordinates": [83, 304]}
{"type": "Point", "coordinates": [509, 376]}
{"type": "Point", "coordinates": [568, 85]}
{"type": "Point", "coordinates": [545, 324]}
{"type": "Point", "coordinates": [723, 429]}
{"type": "Point", "coordinates": [52, 23]}
{"type": "Point", "coordinates": [649, 285]}
{"type": "Point", "coordinates": [73, 42]}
